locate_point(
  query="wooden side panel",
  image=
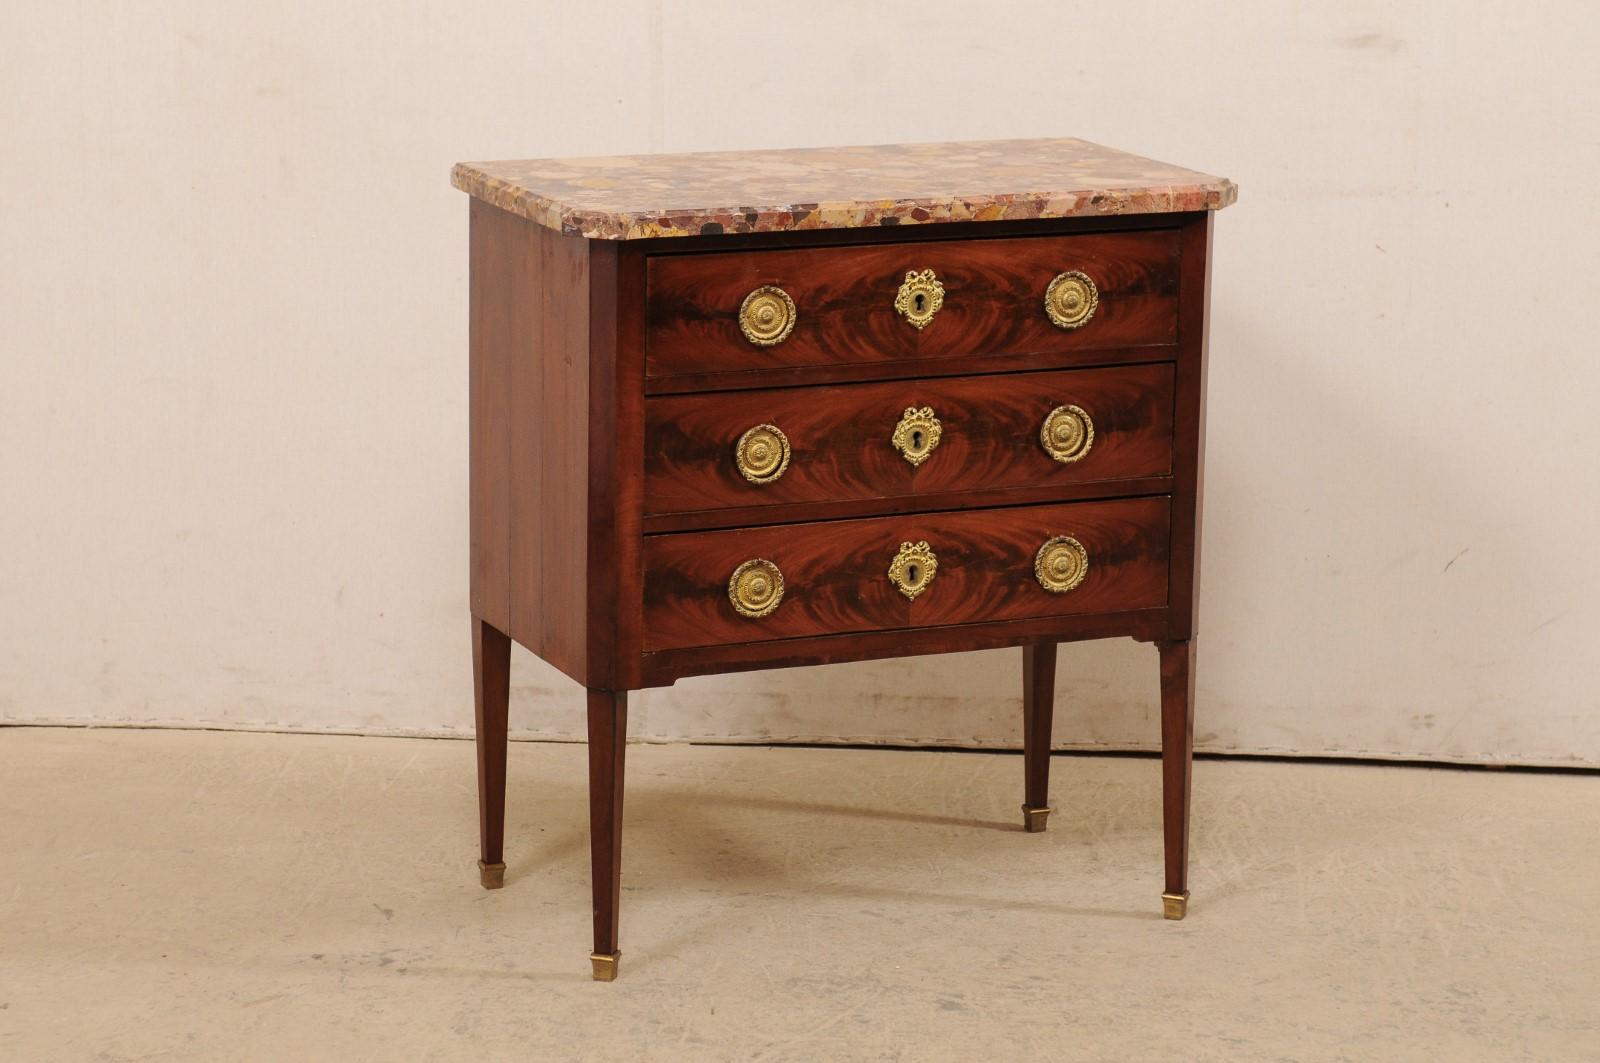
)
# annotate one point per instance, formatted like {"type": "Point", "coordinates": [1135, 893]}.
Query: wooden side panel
{"type": "Point", "coordinates": [1189, 420]}
{"type": "Point", "coordinates": [497, 273]}
{"type": "Point", "coordinates": [840, 438]}
{"type": "Point", "coordinates": [530, 365]}
{"type": "Point", "coordinates": [563, 423]}
{"type": "Point", "coordinates": [526, 360]}
{"type": "Point", "coordinates": [836, 573]}
{"type": "Point", "coordinates": [993, 302]}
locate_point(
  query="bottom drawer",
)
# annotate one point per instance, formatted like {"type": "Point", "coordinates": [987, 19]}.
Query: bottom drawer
{"type": "Point", "coordinates": [833, 577]}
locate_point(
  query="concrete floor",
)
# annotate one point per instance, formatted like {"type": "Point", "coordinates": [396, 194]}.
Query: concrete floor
{"type": "Point", "coordinates": [200, 895]}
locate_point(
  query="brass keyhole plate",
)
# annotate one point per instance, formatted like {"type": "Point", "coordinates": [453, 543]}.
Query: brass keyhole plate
{"type": "Point", "coordinates": [917, 434]}
{"type": "Point", "coordinates": [913, 568]}
{"type": "Point", "coordinates": [920, 297]}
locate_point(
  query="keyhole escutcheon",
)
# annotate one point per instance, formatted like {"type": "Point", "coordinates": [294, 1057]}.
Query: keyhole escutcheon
{"type": "Point", "coordinates": [917, 434]}
{"type": "Point", "coordinates": [913, 568]}
{"type": "Point", "coordinates": [919, 297]}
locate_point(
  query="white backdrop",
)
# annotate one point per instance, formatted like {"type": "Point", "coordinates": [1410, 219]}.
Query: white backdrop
{"type": "Point", "coordinates": [233, 348]}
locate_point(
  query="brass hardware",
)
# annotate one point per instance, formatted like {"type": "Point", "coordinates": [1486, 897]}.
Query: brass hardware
{"type": "Point", "coordinates": [756, 588]}
{"type": "Point", "coordinates": [1033, 819]}
{"type": "Point", "coordinates": [762, 453]}
{"type": "Point", "coordinates": [1067, 433]}
{"type": "Point", "coordinates": [1061, 564]}
{"type": "Point", "coordinates": [605, 965]}
{"type": "Point", "coordinates": [912, 568]}
{"type": "Point", "coordinates": [492, 876]}
{"type": "Point", "coordinates": [1174, 905]}
{"type": "Point", "coordinates": [767, 316]}
{"type": "Point", "coordinates": [920, 297]}
{"type": "Point", "coordinates": [917, 434]}
{"type": "Point", "coordinates": [1071, 299]}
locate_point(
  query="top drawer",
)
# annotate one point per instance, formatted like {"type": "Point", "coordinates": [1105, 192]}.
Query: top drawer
{"type": "Point", "coordinates": [838, 304]}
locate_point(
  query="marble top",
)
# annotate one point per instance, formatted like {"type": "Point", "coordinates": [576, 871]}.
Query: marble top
{"type": "Point", "coordinates": [630, 197]}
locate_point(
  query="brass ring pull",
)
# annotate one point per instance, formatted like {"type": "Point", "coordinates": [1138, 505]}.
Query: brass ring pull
{"type": "Point", "coordinates": [755, 588]}
{"type": "Point", "coordinates": [1067, 434]}
{"type": "Point", "coordinates": [917, 434]}
{"type": "Point", "coordinates": [762, 453]}
{"type": "Point", "coordinates": [1071, 299]}
{"type": "Point", "coordinates": [912, 568]}
{"type": "Point", "coordinates": [920, 297]}
{"type": "Point", "coordinates": [767, 316]}
{"type": "Point", "coordinates": [1061, 564]}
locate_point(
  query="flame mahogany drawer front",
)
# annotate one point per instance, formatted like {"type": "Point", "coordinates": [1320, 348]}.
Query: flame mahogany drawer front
{"type": "Point", "coordinates": [990, 299]}
{"type": "Point", "coordinates": [867, 441]}
{"type": "Point", "coordinates": [758, 410]}
{"type": "Point", "coordinates": [978, 565]}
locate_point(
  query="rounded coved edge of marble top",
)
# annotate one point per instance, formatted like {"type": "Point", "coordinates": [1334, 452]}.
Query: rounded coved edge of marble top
{"type": "Point", "coordinates": [715, 193]}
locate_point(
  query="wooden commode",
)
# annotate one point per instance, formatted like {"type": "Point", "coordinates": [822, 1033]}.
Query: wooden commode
{"type": "Point", "coordinates": [759, 409]}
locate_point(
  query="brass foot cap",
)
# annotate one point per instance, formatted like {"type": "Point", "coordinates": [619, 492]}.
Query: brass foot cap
{"type": "Point", "coordinates": [1174, 905]}
{"type": "Point", "coordinates": [493, 876]}
{"type": "Point", "coordinates": [605, 965]}
{"type": "Point", "coordinates": [1033, 818]}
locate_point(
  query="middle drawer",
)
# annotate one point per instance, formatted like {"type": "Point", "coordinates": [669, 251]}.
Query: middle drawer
{"type": "Point", "coordinates": [908, 437]}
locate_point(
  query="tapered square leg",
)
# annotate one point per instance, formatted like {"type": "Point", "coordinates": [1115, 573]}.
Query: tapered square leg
{"type": "Point", "coordinates": [608, 733]}
{"type": "Point", "coordinates": [491, 682]}
{"type": "Point", "coordinates": [1038, 710]}
{"type": "Point", "coordinates": [1177, 760]}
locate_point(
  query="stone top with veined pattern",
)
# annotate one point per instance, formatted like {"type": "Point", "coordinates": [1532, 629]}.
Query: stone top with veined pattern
{"type": "Point", "coordinates": [630, 197]}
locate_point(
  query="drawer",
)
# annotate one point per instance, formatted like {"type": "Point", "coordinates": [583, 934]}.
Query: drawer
{"type": "Point", "coordinates": [834, 577]}
{"type": "Point", "coordinates": [829, 305]}
{"type": "Point", "coordinates": [719, 450]}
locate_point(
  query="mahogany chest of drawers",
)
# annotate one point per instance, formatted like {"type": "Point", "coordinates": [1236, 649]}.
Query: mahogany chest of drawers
{"type": "Point", "coordinates": [753, 410]}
